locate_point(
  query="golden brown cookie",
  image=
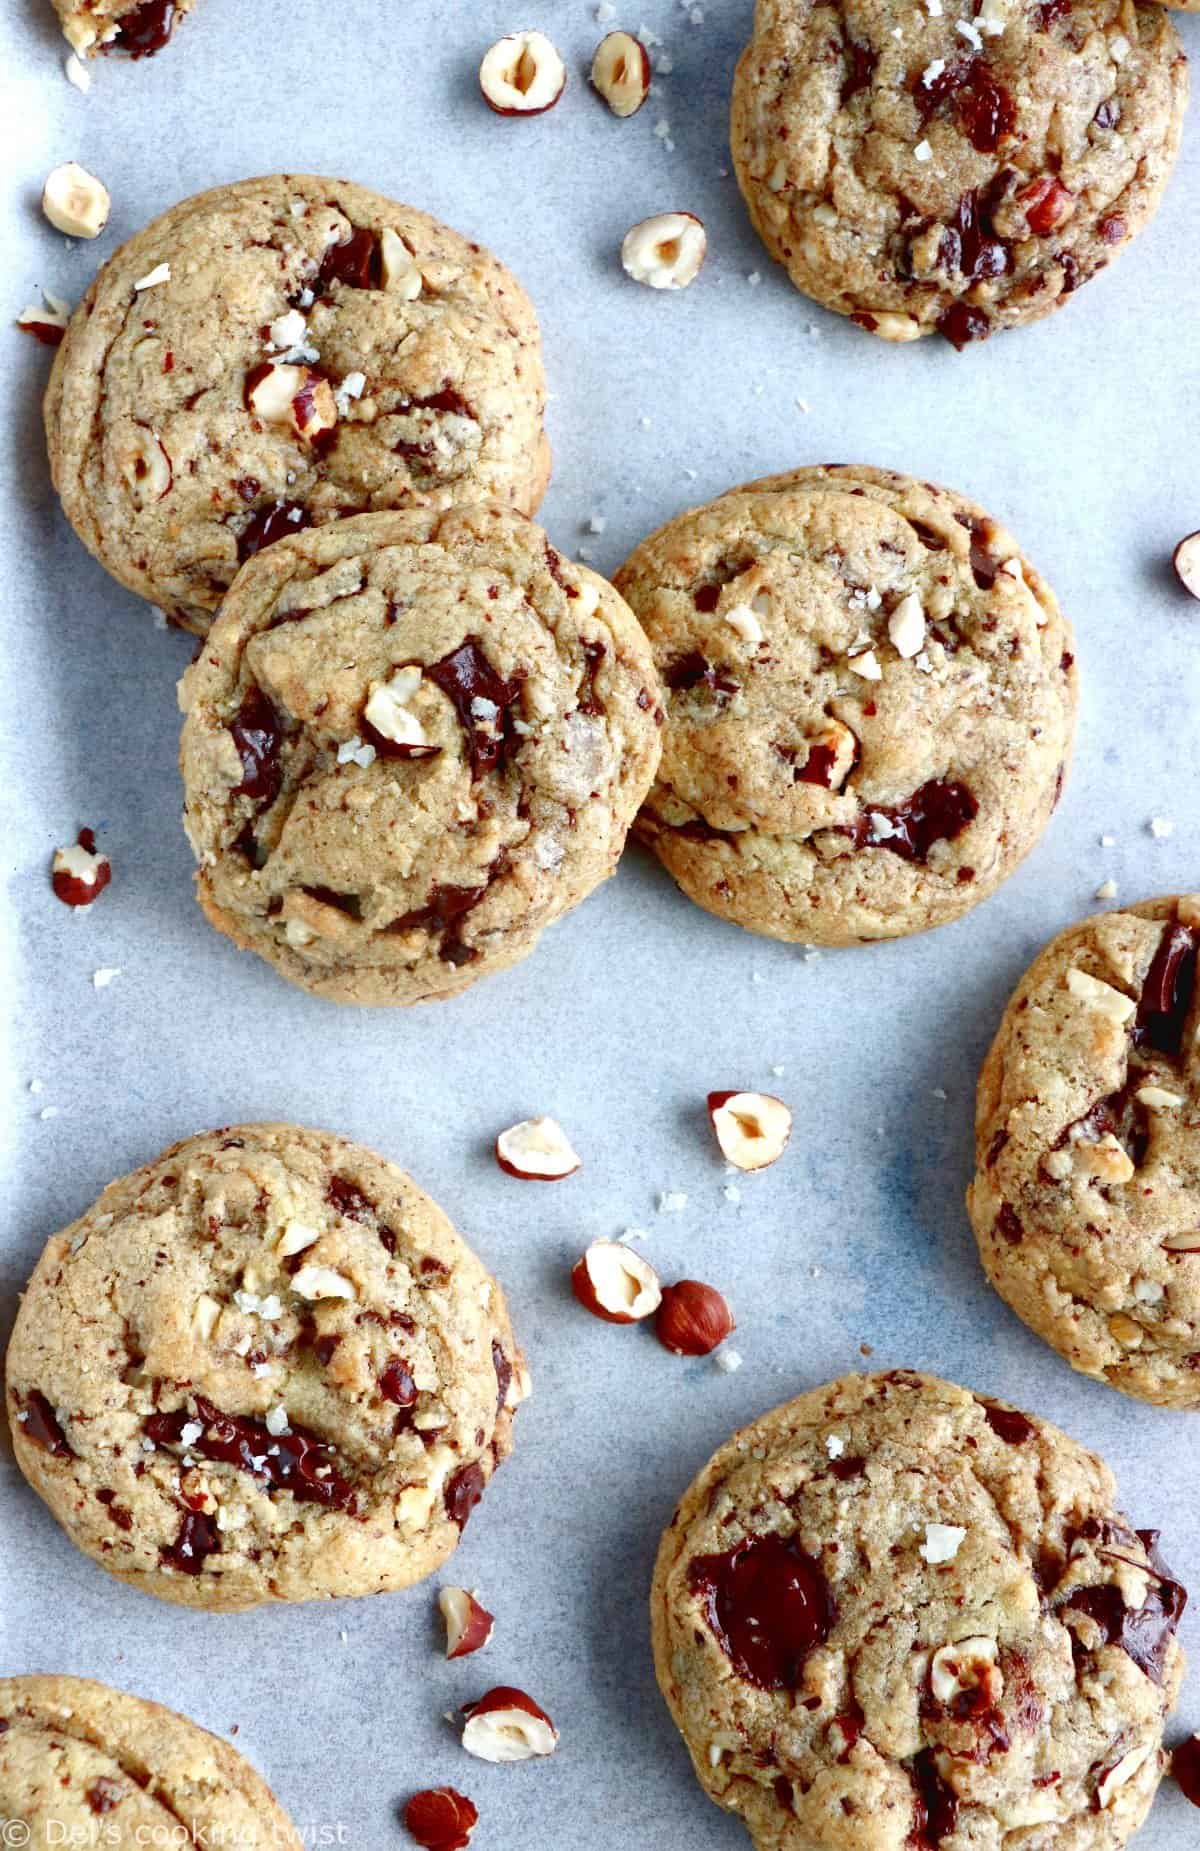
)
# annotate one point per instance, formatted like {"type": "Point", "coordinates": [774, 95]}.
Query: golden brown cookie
{"type": "Point", "coordinates": [1086, 1199]}
{"type": "Point", "coordinates": [870, 703]}
{"type": "Point", "coordinates": [263, 1367]}
{"type": "Point", "coordinates": [277, 354]}
{"type": "Point", "coordinates": [893, 1615]}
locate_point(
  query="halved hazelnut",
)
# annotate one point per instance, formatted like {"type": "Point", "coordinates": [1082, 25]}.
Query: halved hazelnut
{"type": "Point", "coordinates": [388, 722]}
{"type": "Point", "coordinates": [148, 470]}
{"type": "Point", "coordinates": [441, 1819]}
{"type": "Point", "coordinates": [314, 408]}
{"type": "Point", "coordinates": [75, 202]}
{"type": "Point", "coordinates": [693, 1319]}
{"type": "Point", "coordinates": [1113, 1778]}
{"type": "Point", "coordinates": [78, 874]}
{"type": "Point", "coordinates": [1187, 563]}
{"type": "Point", "coordinates": [271, 390]}
{"type": "Point", "coordinates": [398, 267]}
{"type": "Point", "coordinates": [536, 1150]}
{"type": "Point", "coordinates": [616, 1284]}
{"type": "Point", "coordinates": [47, 324]}
{"type": "Point", "coordinates": [507, 1725]}
{"type": "Point", "coordinates": [752, 1128]}
{"type": "Point", "coordinates": [665, 252]}
{"type": "Point", "coordinates": [469, 1625]}
{"type": "Point", "coordinates": [967, 1665]}
{"type": "Point", "coordinates": [1186, 1242]}
{"type": "Point", "coordinates": [621, 72]}
{"type": "Point", "coordinates": [522, 75]}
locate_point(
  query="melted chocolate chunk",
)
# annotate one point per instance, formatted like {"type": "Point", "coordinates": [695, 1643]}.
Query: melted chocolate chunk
{"type": "Point", "coordinates": [1144, 1633]}
{"type": "Point", "coordinates": [706, 598]}
{"type": "Point", "coordinates": [349, 1200]}
{"type": "Point", "coordinates": [696, 671]}
{"type": "Point", "coordinates": [860, 68]}
{"type": "Point", "coordinates": [1008, 1424]}
{"type": "Point", "coordinates": [1108, 114]}
{"type": "Point", "coordinates": [1185, 1765]}
{"type": "Point", "coordinates": [267, 525]}
{"type": "Point", "coordinates": [938, 812]}
{"type": "Point", "coordinates": [39, 1423]}
{"type": "Point", "coordinates": [443, 909]}
{"type": "Point", "coordinates": [589, 699]}
{"type": "Point", "coordinates": [1008, 1225]}
{"type": "Point", "coordinates": [198, 1538]}
{"type": "Point", "coordinates": [968, 244]}
{"type": "Point", "coordinates": [396, 1383]}
{"type": "Point", "coordinates": [104, 1794]}
{"type": "Point", "coordinates": [1167, 992]}
{"type": "Point", "coordinates": [554, 567]}
{"type": "Point", "coordinates": [298, 1461]}
{"type": "Point", "coordinates": [768, 1606]}
{"type": "Point", "coordinates": [258, 736]}
{"type": "Point", "coordinates": [147, 29]}
{"type": "Point", "coordinates": [354, 262]}
{"type": "Point", "coordinates": [985, 109]}
{"type": "Point", "coordinates": [1045, 15]}
{"type": "Point", "coordinates": [466, 677]}
{"type": "Point", "coordinates": [935, 1809]}
{"type": "Point", "coordinates": [960, 324]}
{"type": "Point", "coordinates": [463, 1491]}
{"type": "Point", "coordinates": [985, 566]}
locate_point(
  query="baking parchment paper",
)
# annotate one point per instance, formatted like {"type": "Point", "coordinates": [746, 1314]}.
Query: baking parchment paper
{"type": "Point", "coordinates": [1079, 433]}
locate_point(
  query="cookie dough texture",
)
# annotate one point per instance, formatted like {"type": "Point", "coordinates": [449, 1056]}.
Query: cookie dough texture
{"type": "Point", "coordinates": [82, 1764]}
{"type": "Point", "coordinates": [310, 350]}
{"type": "Point", "coordinates": [954, 175]}
{"type": "Point", "coordinates": [870, 696]}
{"type": "Point", "coordinates": [849, 1676]}
{"type": "Point", "coordinates": [263, 1367]}
{"type": "Point", "coordinates": [135, 26]}
{"type": "Point", "coordinates": [368, 877]}
{"type": "Point", "coordinates": [1086, 1198]}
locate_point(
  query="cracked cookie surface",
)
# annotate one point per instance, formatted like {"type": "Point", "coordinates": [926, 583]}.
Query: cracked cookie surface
{"type": "Point", "coordinates": [279, 353]}
{"type": "Point", "coordinates": [1086, 1198]}
{"type": "Point", "coordinates": [83, 1764]}
{"type": "Point", "coordinates": [263, 1367]}
{"type": "Point", "coordinates": [892, 1615]}
{"type": "Point", "coordinates": [954, 169]}
{"type": "Point", "coordinates": [870, 703]}
{"type": "Point", "coordinates": [412, 741]}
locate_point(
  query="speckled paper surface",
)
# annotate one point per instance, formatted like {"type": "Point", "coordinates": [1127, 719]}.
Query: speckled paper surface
{"type": "Point", "coordinates": [1078, 433]}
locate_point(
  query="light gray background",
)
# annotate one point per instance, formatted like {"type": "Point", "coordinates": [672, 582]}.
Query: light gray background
{"type": "Point", "coordinates": [1079, 433]}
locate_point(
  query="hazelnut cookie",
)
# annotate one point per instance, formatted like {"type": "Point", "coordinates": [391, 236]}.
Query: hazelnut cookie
{"type": "Point", "coordinates": [893, 1615]}
{"type": "Point", "coordinates": [83, 1764]}
{"type": "Point", "coordinates": [263, 1367]}
{"type": "Point", "coordinates": [953, 167]}
{"type": "Point", "coordinates": [274, 355]}
{"type": "Point", "coordinates": [870, 703]}
{"type": "Point", "coordinates": [412, 741]}
{"type": "Point", "coordinates": [1086, 1198]}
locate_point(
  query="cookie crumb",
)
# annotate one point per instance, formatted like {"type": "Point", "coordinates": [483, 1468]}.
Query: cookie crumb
{"type": "Point", "coordinates": [672, 1202]}
{"type": "Point", "coordinates": [77, 74]}
{"type": "Point", "coordinates": [103, 977]}
{"type": "Point", "coordinates": [1160, 827]}
{"type": "Point", "coordinates": [1107, 890]}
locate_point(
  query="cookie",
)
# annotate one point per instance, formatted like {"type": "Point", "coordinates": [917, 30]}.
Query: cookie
{"type": "Point", "coordinates": [870, 703]}
{"type": "Point", "coordinates": [892, 1615]}
{"type": "Point", "coordinates": [412, 741]}
{"type": "Point", "coordinates": [277, 354]}
{"type": "Point", "coordinates": [918, 170]}
{"type": "Point", "coordinates": [138, 27]}
{"type": "Point", "coordinates": [1086, 1198]}
{"type": "Point", "coordinates": [82, 1764]}
{"type": "Point", "coordinates": [263, 1367]}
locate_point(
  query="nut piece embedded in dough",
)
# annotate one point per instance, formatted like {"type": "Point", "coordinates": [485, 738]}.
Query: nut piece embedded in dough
{"type": "Point", "coordinates": [693, 1318]}
{"type": "Point", "coordinates": [1186, 560]}
{"type": "Point", "coordinates": [441, 1819]}
{"type": "Point", "coordinates": [507, 1725]}
{"type": "Point", "coordinates": [522, 75]}
{"type": "Point", "coordinates": [1100, 996]}
{"type": "Point", "coordinates": [665, 252]}
{"type": "Point", "coordinates": [616, 1284]}
{"type": "Point", "coordinates": [621, 72]}
{"type": "Point", "coordinates": [76, 202]}
{"type": "Point", "coordinates": [969, 1665]}
{"type": "Point", "coordinates": [469, 1626]}
{"type": "Point", "coordinates": [752, 1128]}
{"type": "Point", "coordinates": [536, 1150]}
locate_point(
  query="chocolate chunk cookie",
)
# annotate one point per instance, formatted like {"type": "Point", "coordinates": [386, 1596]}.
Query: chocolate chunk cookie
{"type": "Point", "coordinates": [412, 741]}
{"type": "Point", "coordinates": [82, 1764]}
{"type": "Point", "coordinates": [1086, 1199]}
{"type": "Point", "coordinates": [274, 355]}
{"type": "Point", "coordinates": [896, 1616]}
{"type": "Point", "coordinates": [137, 27]}
{"type": "Point", "coordinates": [870, 697]}
{"type": "Point", "coordinates": [263, 1367]}
{"type": "Point", "coordinates": [951, 167]}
